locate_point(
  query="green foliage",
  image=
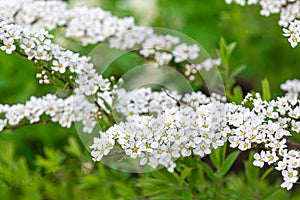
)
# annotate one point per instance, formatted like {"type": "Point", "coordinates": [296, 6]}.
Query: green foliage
{"type": "Point", "coordinates": [266, 91]}
{"type": "Point", "coordinates": [234, 93]}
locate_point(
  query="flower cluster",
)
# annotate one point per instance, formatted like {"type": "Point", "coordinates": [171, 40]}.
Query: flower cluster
{"type": "Point", "coordinates": [55, 61]}
{"type": "Point", "coordinates": [37, 46]}
{"type": "Point", "coordinates": [191, 70]}
{"type": "Point", "coordinates": [292, 88]}
{"type": "Point", "coordinates": [75, 108]}
{"type": "Point", "coordinates": [176, 132]}
{"type": "Point", "coordinates": [289, 15]}
{"type": "Point", "coordinates": [143, 101]}
{"type": "Point", "coordinates": [95, 25]}
{"type": "Point", "coordinates": [201, 123]}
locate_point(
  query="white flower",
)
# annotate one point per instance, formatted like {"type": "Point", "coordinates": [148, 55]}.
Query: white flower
{"type": "Point", "coordinates": [293, 162]}
{"type": "Point", "coordinates": [59, 65]}
{"type": "Point", "coordinates": [271, 157]}
{"type": "Point", "coordinates": [8, 47]}
{"type": "Point", "coordinates": [185, 52]}
{"type": "Point", "coordinates": [281, 165]}
{"type": "Point", "coordinates": [27, 45]}
{"type": "Point", "coordinates": [3, 123]}
{"type": "Point", "coordinates": [260, 159]}
{"type": "Point", "coordinates": [290, 176]}
{"type": "Point", "coordinates": [294, 40]}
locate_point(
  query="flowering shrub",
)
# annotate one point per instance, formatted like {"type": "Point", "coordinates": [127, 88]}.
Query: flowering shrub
{"type": "Point", "coordinates": [153, 126]}
{"type": "Point", "coordinates": [289, 15]}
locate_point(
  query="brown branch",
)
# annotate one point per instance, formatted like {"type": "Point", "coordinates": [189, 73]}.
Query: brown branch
{"type": "Point", "coordinates": [209, 88]}
{"type": "Point", "coordinates": [59, 78]}
{"type": "Point", "coordinates": [178, 101]}
{"type": "Point", "coordinates": [44, 67]}
{"type": "Point", "coordinates": [13, 128]}
{"type": "Point", "coordinates": [114, 154]}
{"type": "Point", "coordinates": [63, 81]}
{"type": "Point", "coordinates": [101, 109]}
{"type": "Point", "coordinates": [293, 144]}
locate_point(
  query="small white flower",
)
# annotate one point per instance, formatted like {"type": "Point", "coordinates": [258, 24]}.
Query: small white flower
{"type": "Point", "coordinates": [8, 46]}
{"type": "Point", "coordinates": [59, 65]}
{"type": "Point", "coordinates": [27, 45]}
{"type": "Point", "coordinates": [3, 123]}
{"type": "Point", "coordinates": [260, 159]}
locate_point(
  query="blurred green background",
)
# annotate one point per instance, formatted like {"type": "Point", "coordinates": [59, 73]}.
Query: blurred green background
{"type": "Point", "coordinates": [49, 162]}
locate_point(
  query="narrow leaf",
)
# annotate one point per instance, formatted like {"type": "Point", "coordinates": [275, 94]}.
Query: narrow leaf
{"type": "Point", "coordinates": [267, 172]}
{"type": "Point", "coordinates": [215, 157]}
{"type": "Point", "coordinates": [184, 174]}
{"type": "Point", "coordinates": [237, 71]}
{"type": "Point", "coordinates": [209, 172]}
{"type": "Point", "coordinates": [238, 94]}
{"type": "Point", "coordinates": [229, 162]}
{"type": "Point", "coordinates": [266, 90]}
{"type": "Point", "coordinates": [270, 194]}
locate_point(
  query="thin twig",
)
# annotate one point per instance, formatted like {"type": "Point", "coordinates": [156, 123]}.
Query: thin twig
{"type": "Point", "coordinates": [44, 67]}
{"type": "Point", "coordinates": [114, 154]}
{"type": "Point", "coordinates": [293, 144]}
{"type": "Point", "coordinates": [61, 79]}
{"type": "Point", "coordinates": [101, 109]}
{"type": "Point", "coordinates": [213, 90]}
{"type": "Point", "coordinates": [13, 128]}
{"type": "Point", "coordinates": [178, 101]}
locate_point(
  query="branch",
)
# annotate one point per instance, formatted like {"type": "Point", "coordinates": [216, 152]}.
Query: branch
{"type": "Point", "coordinates": [61, 79]}
{"type": "Point", "coordinates": [293, 144]}
{"type": "Point", "coordinates": [101, 109]}
{"type": "Point", "coordinates": [44, 67]}
{"type": "Point", "coordinates": [114, 154]}
{"type": "Point", "coordinates": [13, 128]}
{"type": "Point", "coordinates": [178, 101]}
{"type": "Point", "coordinates": [209, 88]}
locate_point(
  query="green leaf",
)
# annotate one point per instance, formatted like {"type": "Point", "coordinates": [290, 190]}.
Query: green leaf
{"type": "Point", "coordinates": [193, 178]}
{"type": "Point", "coordinates": [266, 91]}
{"type": "Point", "coordinates": [252, 172]}
{"type": "Point", "coordinates": [89, 181]}
{"type": "Point", "coordinates": [187, 195]}
{"type": "Point", "coordinates": [209, 172]}
{"type": "Point", "coordinates": [124, 190]}
{"type": "Point", "coordinates": [229, 162]}
{"type": "Point", "coordinates": [163, 196]}
{"type": "Point", "coordinates": [215, 157]}
{"type": "Point", "coordinates": [235, 72]}
{"type": "Point", "coordinates": [184, 174]}
{"type": "Point", "coordinates": [230, 48]}
{"type": "Point", "coordinates": [52, 161]}
{"type": "Point", "coordinates": [73, 148]}
{"type": "Point", "coordinates": [225, 50]}
{"type": "Point", "coordinates": [200, 175]}
{"type": "Point", "coordinates": [230, 192]}
{"type": "Point", "coordinates": [237, 95]}
{"type": "Point", "coordinates": [267, 172]}
{"type": "Point", "coordinates": [270, 194]}
{"type": "Point", "coordinates": [223, 151]}
{"type": "Point", "coordinates": [165, 175]}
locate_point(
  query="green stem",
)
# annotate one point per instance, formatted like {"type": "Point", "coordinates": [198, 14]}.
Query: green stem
{"type": "Point", "coordinates": [219, 188]}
